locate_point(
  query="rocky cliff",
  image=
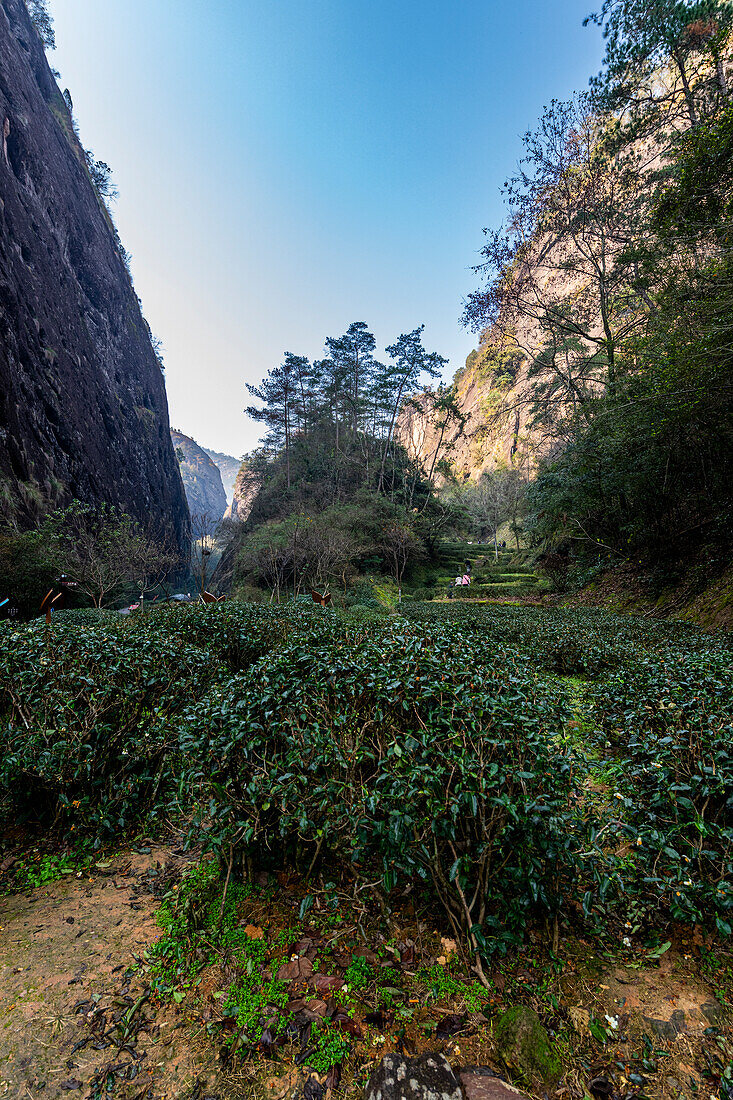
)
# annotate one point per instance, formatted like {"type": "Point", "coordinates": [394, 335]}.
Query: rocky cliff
{"type": "Point", "coordinates": [83, 409]}
{"type": "Point", "coordinates": [229, 467]}
{"type": "Point", "coordinates": [246, 488]}
{"type": "Point", "coordinates": [201, 478]}
{"type": "Point", "coordinates": [497, 430]}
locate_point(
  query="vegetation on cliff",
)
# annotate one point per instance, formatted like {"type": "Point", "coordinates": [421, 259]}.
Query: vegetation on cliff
{"type": "Point", "coordinates": [606, 298]}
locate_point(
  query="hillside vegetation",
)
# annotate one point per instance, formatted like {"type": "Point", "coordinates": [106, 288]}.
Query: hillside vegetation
{"type": "Point", "coordinates": [604, 309]}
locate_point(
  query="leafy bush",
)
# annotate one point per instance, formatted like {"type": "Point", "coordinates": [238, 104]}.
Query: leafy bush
{"type": "Point", "coordinates": [86, 736]}
{"type": "Point", "coordinates": [428, 747]}
{"type": "Point", "coordinates": [671, 720]}
{"type": "Point", "coordinates": [400, 748]}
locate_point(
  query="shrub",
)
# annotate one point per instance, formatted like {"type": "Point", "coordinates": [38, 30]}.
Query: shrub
{"type": "Point", "coordinates": [86, 727]}
{"type": "Point", "coordinates": [395, 747]}
{"type": "Point", "coordinates": [671, 720]}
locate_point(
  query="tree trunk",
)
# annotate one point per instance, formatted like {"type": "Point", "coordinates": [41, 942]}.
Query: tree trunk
{"type": "Point", "coordinates": [720, 73]}
{"type": "Point", "coordinates": [287, 441]}
{"type": "Point", "coordinates": [689, 98]}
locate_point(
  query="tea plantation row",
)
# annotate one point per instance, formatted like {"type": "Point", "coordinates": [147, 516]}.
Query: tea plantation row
{"type": "Point", "coordinates": [446, 750]}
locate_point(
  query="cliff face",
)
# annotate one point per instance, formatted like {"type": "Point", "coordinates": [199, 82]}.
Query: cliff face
{"type": "Point", "coordinates": [496, 430]}
{"type": "Point", "coordinates": [229, 467]}
{"type": "Point", "coordinates": [83, 409]}
{"type": "Point", "coordinates": [201, 478]}
{"type": "Point", "coordinates": [246, 488]}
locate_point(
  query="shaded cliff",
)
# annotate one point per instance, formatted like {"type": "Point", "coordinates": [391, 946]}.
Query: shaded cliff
{"type": "Point", "coordinates": [83, 409]}
{"type": "Point", "coordinates": [201, 477]}
{"type": "Point", "coordinates": [229, 467]}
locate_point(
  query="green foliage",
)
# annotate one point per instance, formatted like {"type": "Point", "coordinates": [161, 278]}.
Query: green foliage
{"type": "Point", "coordinates": [38, 869]}
{"type": "Point", "coordinates": [335, 486]}
{"type": "Point", "coordinates": [401, 749]}
{"type": "Point", "coordinates": [332, 1048]}
{"type": "Point", "coordinates": [27, 569]}
{"type": "Point", "coordinates": [671, 410]}
{"type": "Point", "coordinates": [42, 21]}
{"type": "Point", "coordinates": [86, 737]}
{"type": "Point", "coordinates": [646, 36]}
{"type": "Point", "coordinates": [359, 973]}
{"type": "Point", "coordinates": [441, 984]}
{"type": "Point", "coordinates": [670, 720]}
{"type": "Point", "coordinates": [614, 275]}
{"type": "Point", "coordinates": [440, 748]}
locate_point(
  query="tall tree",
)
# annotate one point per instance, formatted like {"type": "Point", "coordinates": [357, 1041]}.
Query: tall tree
{"type": "Point", "coordinates": [352, 356]}
{"type": "Point", "coordinates": [658, 57]}
{"type": "Point", "coordinates": [279, 393]}
{"type": "Point", "coordinates": [410, 361]}
{"type": "Point", "coordinates": [563, 284]}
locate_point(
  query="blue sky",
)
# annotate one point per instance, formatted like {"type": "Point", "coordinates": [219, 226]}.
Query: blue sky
{"type": "Point", "coordinates": [286, 167]}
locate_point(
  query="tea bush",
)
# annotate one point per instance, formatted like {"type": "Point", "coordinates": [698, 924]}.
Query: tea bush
{"type": "Point", "coordinates": [432, 747]}
{"type": "Point", "coordinates": [237, 634]}
{"type": "Point", "coordinates": [671, 722]}
{"type": "Point", "coordinates": [86, 738]}
{"type": "Point", "coordinates": [398, 748]}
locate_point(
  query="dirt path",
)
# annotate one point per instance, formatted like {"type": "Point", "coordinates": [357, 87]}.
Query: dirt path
{"type": "Point", "coordinates": [71, 1019]}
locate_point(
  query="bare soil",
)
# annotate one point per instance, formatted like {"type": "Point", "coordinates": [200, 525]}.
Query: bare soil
{"type": "Point", "coordinates": [72, 1022]}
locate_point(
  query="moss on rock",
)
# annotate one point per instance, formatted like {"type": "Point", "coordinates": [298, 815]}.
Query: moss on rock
{"type": "Point", "coordinates": [524, 1047]}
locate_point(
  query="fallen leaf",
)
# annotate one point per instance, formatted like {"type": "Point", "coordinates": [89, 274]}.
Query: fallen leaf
{"type": "Point", "coordinates": [253, 932]}
{"type": "Point", "coordinates": [334, 1076]}
{"type": "Point", "coordinates": [302, 946]}
{"type": "Point", "coordinates": [313, 1089]}
{"type": "Point", "coordinates": [580, 1019]}
{"type": "Point", "coordinates": [323, 983]}
{"type": "Point", "coordinates": [365, 953]}
{"type": "Point", "coordinates": [297, 970]}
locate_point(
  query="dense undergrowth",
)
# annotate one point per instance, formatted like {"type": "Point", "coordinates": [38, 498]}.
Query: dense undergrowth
{"type": "Point", "coordinates": [512, 766]}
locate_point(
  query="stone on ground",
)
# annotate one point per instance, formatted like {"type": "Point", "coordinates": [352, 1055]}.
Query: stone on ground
{"type": "Point", "coordinates": [480, 1083]}
{"type": "Point", "coordinates": [525, 1049]}
{"type": "Point", "coordinates": [427, 1077]}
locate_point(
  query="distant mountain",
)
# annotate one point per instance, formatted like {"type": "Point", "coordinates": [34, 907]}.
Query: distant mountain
{"type": "Point", "coordinates": [201, 478]}
{"type": "Point", "coordinates": [228, 468]}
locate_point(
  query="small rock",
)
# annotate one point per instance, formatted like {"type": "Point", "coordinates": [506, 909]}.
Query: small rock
{"type": "Point", "coordinates": [423, 1078]}
{"type": "Point", "coordinates": [480, 1083]}
{"type": "Point", "coordinates": [524, 1047]}
{"type": "Point", "coordinates": [712, 1011]}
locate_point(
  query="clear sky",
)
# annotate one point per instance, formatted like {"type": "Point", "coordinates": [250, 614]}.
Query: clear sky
{"type": "Point", "coordinates": [286, 167]}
